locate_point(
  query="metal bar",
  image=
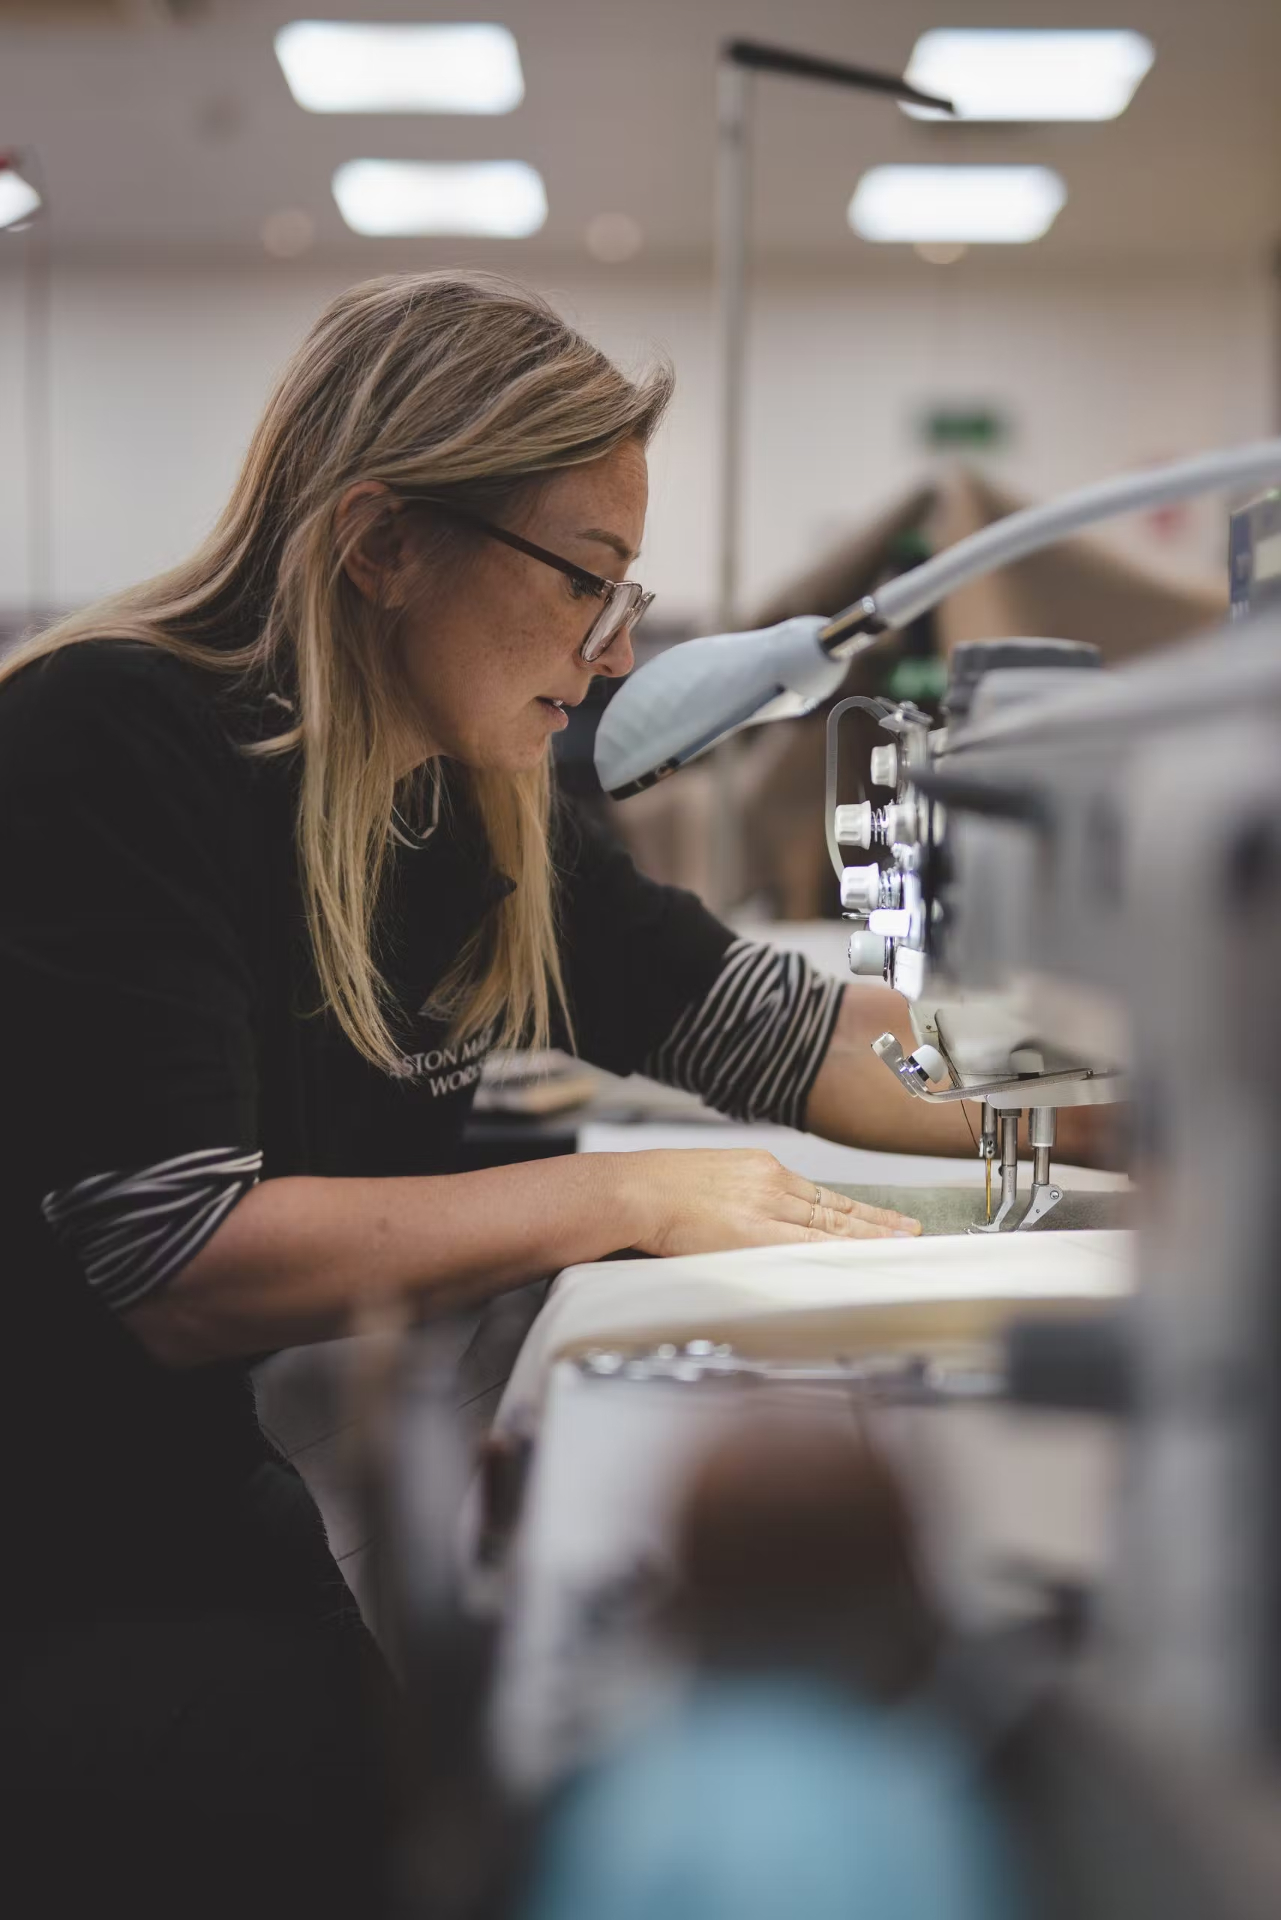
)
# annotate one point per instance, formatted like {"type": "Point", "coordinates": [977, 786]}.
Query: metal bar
{"type": "Point", "coordinates": [1042, 1127]}
{"type": "Point", "coordinates": [987, 1149]}
{"type": "Point", "coordinates": [1022, 1088]}
{"type": "Point", "coordinates": [733, 192]}
{"type": "Point", "coordinates": [1009, 1175]}
{"type": "Point", "coordinates": [37, 393]}
{"type": "Point", "coordinates": [739, 60]}
{"type": "Point", "coordinates": [733, 212]}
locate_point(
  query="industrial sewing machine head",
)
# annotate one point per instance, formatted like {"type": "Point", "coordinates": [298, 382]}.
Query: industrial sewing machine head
{"type": "Point", "coordinates": [944, 912]}
{"type": "Point", "coordinates": [982, 1030]}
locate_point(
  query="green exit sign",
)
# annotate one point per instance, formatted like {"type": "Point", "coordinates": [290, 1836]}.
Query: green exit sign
{"type": "Point", "coordinates": [975, 428]}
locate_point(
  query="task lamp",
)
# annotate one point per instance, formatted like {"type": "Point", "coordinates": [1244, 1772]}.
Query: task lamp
{"type": "Point", "coordinates": [702, 691]}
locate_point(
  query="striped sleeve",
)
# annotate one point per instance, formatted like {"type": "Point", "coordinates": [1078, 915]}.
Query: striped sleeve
{"type": "Point", "coordinates": [132, 1232]}
{"type": "Point", "coordinates": [754, 1044]}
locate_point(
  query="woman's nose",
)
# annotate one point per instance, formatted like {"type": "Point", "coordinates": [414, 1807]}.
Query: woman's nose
{"type": "Point", "coordinates": [618, 659]}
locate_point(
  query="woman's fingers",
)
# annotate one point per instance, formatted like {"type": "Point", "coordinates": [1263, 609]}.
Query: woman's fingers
{"type": "Point", "coordinates": [706, 1200]}
{"type": "Point", "coordinates": [810, 1190]}
{"type": "Point", "coordinates": [886, 1217]}
{"type": "Point", "coordinates": [786, 1234]}
{"type": "Point", "coordinates": [857, 1229]}
{"type": "Point", "coordinates": [852, 1226]}
{"type": "Point", "coordinates": [827, 1223]}
{"type": "Point", "coordinates": [852, 1217]}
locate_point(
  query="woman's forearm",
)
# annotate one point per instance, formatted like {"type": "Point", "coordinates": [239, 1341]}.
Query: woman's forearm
{"type": "Point", "coordinates": [299, 1258]}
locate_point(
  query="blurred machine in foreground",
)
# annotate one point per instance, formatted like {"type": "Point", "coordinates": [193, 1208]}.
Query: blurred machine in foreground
{"type": "Point", "coordinates": [1081, 890]}
{"type": "Point", "coordinates": [1049, 876]}
{"type": "Point", "coordinates": [1108, 860]}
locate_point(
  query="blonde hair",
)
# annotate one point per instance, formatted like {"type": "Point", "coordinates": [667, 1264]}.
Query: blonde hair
{"type": "Point", "coordinates": [473, 387]}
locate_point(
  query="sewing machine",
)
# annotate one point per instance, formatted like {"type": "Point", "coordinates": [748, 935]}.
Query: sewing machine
{"type": "Point", "coordinates": [933, 916]}
{"type": "Point", "coordinates": [966, 974]}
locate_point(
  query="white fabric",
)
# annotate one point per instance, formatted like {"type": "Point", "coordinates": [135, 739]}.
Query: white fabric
{"type": "Point", "coordinates": [818, 1301]}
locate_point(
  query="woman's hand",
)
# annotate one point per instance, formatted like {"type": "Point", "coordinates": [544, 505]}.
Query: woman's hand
{"type": "Point", "coordinates": [706, 1200]}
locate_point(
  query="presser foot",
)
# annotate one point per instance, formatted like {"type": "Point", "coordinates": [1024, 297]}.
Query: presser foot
{"type": "Point", "coordinates": [1044, 1199]}
{"type": "Point", "coordinates": [997, 1223]}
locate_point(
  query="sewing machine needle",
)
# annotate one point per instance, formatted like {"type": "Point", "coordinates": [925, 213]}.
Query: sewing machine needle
{"type": "Point", "coordinates": [987, 1166]}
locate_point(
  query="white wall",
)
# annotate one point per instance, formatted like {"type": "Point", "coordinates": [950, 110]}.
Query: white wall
{"type": "Point", "coordinates": [158, 375]}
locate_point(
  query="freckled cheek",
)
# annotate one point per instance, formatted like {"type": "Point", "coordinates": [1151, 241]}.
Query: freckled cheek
{"type": "Point", "coordinates": [476, 681]}
{"type": "Point", "coordinates": [527, 661]}
{"type": "Point", "coordinates": [494, 709]}
{"type": "Point", "coordinates": [471, 675]}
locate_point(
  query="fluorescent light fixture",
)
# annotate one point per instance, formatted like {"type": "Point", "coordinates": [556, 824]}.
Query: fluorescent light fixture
{"type": "Point", "coordinates": [502, 198]}
{"type": "Point", "coordinates": [341, 66]}
{"type": "Point", "coordinates": [968, 205]}
{"type": "Point", "coordinates": [18, 198]}
{"type": "Point", "coordinates": [995, 73]}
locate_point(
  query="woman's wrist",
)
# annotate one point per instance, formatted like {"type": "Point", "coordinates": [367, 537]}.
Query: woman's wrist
{"type": "Point", "coordinates": [626, 1197]}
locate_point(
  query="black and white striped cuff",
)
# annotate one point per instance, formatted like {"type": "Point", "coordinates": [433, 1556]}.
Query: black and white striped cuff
{"type": "Point", "coordinates": [753, 1045]}
{"type": "Point", "coordinates": [131, 1232]}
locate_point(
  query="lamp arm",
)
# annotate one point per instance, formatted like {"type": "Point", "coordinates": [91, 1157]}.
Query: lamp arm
{"type": "Point", "coordinates": [756, 55]}
{"type": "Point", "coordinates": [909, 596]}
{"type": "Point", "coordinates": [704, 690]}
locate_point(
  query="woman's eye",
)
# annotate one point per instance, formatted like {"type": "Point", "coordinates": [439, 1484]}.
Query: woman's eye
{"type": "Point", "coordinates": [579, 589]}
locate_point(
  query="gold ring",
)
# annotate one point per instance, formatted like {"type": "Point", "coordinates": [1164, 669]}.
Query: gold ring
{"type": "Point", "coordinates": [814, 1206]}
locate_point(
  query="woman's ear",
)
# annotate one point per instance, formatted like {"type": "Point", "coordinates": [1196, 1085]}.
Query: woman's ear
{"type": "Point", "coordinates": [371, 538]}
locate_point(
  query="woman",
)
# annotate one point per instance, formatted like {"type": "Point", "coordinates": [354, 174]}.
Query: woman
{"type": "Point", "coordinates": [279, 865]}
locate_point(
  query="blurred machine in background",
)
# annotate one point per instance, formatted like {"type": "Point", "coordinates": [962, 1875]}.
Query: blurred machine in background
{"type": "Point", "coordinates": [1254, 554]}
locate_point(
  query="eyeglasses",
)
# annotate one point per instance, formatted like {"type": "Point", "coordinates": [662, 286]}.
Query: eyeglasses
{"type": "Point", "coordinates": [625, 601]}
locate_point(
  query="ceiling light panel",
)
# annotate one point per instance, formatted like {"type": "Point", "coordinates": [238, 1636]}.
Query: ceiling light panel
{"type": "Point", "coordinates": [18, 198]}
{"type": "Point", "coordinates": [339, 66]}
{"type": "Point", "coordinates": [964, 205]}
{"type": "Point", "coordinates": [992, 73]}
{"type": "Point", "coordinates": [502, 199]}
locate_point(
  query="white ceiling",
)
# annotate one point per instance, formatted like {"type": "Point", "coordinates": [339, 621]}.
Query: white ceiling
{"type": "Point", "coordinates": [174, 137]}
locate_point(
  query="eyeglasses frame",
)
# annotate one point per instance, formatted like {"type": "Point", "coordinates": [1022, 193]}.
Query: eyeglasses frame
{"type": "Point", "coordinates": [596, 583]}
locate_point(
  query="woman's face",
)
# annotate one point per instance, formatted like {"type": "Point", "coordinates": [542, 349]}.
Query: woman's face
{"type": "Point", "coordinates": [490, 655]}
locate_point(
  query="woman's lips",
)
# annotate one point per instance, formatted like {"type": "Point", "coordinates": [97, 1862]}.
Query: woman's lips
{"type": "Point", "coordinates": [555, 710]}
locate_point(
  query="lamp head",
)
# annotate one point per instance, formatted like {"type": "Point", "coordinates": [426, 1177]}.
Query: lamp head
{"type": "Point", "coordinates": [698, 693]}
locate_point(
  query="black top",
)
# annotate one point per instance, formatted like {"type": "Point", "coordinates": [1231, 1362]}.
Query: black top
{"type": "Point", "coordinates": [157, 999]}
